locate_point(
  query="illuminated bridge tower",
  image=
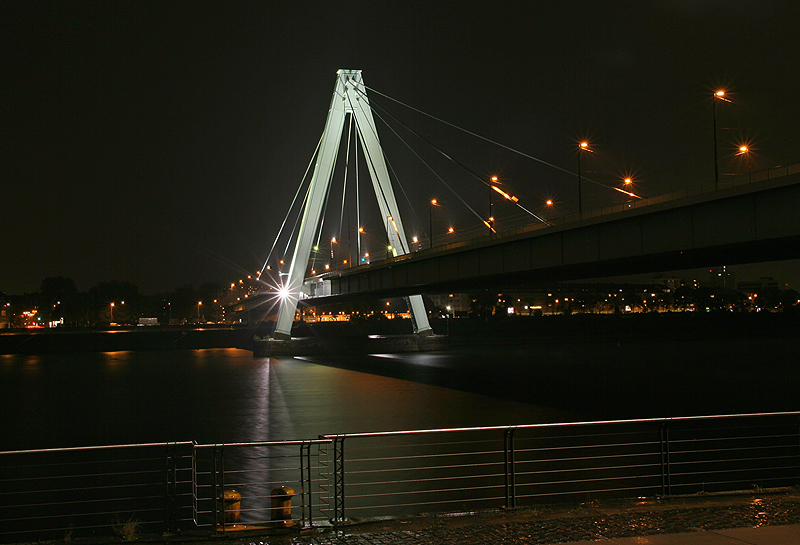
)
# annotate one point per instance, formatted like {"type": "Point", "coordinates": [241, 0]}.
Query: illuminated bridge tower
{"type": "Point", "coordinates": [349, 97]}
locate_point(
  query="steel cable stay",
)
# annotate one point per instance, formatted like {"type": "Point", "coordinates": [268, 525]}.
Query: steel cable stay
{"type": "Point", "coordinates": [294, 200]}
{"type": "Point", "coordinates": [427, 165]}
{"type": "Point", "coordinates": [403, 244]}
{"type": "Point", "coordinates": [446, 156]}
{"type": "Point", "coordinates": [504, 146]}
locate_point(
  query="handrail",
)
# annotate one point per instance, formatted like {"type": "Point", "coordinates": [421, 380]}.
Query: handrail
{"type": "Point", "coordinates": [561, 424]}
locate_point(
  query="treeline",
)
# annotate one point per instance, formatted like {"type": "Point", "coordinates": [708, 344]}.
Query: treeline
{"type": "Point", "coordinates": [114, 302]}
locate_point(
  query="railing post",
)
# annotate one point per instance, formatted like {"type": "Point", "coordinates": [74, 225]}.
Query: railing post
{"type": "Point", "coordinates": [508, 465]}
{"type": "Point", "coordinates": [194, 485]}
{"type": "Point", "coordinates": [305, 485]}
{"type": "Point", "coordinates": [172, 487]}
{"type": "Point", "coordinates": [338, 479]}
{"type": "Point", "coordinates": [665, 488]}
{"type": "Point", "coordinates": [219, 486]}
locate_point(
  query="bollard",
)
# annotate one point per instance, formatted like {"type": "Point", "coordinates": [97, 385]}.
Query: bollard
{"type": "Point", "coordinates": [231, 506]}
{"type": "Point", "coordinates": [282, 505]}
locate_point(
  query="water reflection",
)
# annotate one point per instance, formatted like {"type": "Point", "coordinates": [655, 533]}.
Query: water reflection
{"type": "Point", "coordinates": [224, 396]}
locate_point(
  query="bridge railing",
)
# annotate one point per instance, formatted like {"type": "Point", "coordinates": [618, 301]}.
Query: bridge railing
{"type": "Point", "coordinates": [69, 493]}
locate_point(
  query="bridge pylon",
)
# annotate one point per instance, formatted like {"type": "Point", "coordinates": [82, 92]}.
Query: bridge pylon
{"type": "Point", "coordinates": [349, 97]}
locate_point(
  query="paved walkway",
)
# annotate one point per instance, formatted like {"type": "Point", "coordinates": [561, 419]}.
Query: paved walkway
{"type": "Point", "coordinates": [756, 519]}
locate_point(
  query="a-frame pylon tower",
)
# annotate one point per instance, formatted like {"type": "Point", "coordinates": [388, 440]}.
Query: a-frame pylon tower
{"type": "Point", "coordinates": [349, 97]}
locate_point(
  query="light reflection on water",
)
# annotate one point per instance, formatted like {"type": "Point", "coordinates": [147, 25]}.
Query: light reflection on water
{"type": "Point", "coordinates": [222, 396]}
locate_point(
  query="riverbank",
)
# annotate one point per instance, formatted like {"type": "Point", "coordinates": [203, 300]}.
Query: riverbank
{"type": "Point", "coordinates": [507, 331]}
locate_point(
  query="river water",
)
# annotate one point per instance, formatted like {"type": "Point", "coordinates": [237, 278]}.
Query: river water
{"type": "Point", "coordinates": [223, 396]}
{"type": "Point", "coordinates": [226, 395]}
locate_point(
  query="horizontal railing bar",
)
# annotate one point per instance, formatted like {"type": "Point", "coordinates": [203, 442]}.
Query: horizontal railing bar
{"type": "Point", "coordinates": [418, 468]}
{"type": "Point", "coordinates": [583, 458]}
{"type": "Point", "coordinates": [427, 480]}
{"type": "Point", "coordinates": [415, 504]}
{"type": "Point", "coordinates": [587, 469]}
{"type": "Point", "coordinates": [723, 471]}
{"type": "Point", "coordinates": [436, 491]}
{"type": "Point", "coordinates": [322, 440]}
{"type": "Point", "coordinates": [560, 425]}
{"type": "Point", "coordinates": [98, 447]}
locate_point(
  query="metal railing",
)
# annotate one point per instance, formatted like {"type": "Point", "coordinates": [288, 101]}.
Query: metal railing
{"type": "Point", "coordinates": [467, 469]}
{"type": "Point", "coordinates": [63, 493]}
{"type": "Point", "coordinates": [261, 474]}
{"type": "Point", "coordinates": [60, 493]}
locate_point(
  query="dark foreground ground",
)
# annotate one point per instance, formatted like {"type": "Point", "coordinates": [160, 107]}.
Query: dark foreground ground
{"type": "Point", "coordinates": [698, 520]}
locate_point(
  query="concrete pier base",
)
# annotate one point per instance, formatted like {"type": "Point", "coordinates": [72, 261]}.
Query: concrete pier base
{"type": "Point", "coordinates": [371, 344]}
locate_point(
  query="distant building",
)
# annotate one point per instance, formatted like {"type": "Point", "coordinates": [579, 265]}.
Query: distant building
{"type": "Point", "coordinates": [671, 283]}
{"type": "Point", "coordinates": [757, 286]}
{"type": "Point", "coordinates": [5, 311]}
{"type": "Point", "coordinates": [721, 277]}
{"type": "Point", "coordinates": [453, 303]}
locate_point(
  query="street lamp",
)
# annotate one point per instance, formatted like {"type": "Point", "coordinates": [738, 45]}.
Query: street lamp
{"type": "Point", "coordinates": [199, 303]}
{"type": "Point", "coordinates": [112, 313]}
{"type": "Point", "coordinates": [584, 146]}
{"type": "Point", "coordinates": [490, 223]}
{"type": "Point", "coordinates": [433, 203]}
{"type": "Point", "coordinates": [719, 95]}
{"type": "Point", "coordinates": [744, 150]}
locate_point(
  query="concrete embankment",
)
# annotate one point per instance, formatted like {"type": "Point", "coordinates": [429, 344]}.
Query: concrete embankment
{"type": "Point", "coordinates": [143, 338]}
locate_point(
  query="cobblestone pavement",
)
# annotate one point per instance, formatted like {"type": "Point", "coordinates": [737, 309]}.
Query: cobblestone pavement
{"type": "Point", "coordinates": [551, 526]}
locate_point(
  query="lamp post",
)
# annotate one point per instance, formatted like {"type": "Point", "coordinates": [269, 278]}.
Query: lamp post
{"type": "Point", "coordinates": [744, 150]}
{"type": "Point", "coordinates": [584, 146]}
{"type": "Point", "coordinates": [719, 95]}
{"type": "Point", "coordinates": [199, 303]}
{"type": "Point", "coordinates": [433, 203]}
{"type": "Point", "coordinates": [112, 313]}
{"type": "Point", "coordinates": [490, 223]}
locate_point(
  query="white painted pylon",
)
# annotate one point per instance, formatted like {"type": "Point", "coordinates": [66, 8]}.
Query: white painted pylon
{"type": "Point", "coordinates": [349, 97]}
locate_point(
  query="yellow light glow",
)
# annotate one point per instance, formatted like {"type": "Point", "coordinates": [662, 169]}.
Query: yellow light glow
{"type": "Point", "coordinates": [720, 93]}
{"type": "Point", "coordinates": [434, 202]}
{"type": "Point", "coordinates": [584, 145]}
{"type": "Point", "coordinates": [549, 202]}
{"type": "Point", "coordinates": [628, 181]}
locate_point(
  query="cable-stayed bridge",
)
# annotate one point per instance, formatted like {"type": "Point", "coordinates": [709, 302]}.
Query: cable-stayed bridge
{"type": "Point", "coordinates": [745, 219]}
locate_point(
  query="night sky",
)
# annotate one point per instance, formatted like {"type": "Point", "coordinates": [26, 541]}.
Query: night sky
{"type": "Point", "coordinates": [162, 142]}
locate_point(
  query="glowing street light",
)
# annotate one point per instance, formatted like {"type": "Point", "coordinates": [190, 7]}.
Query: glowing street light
{"type": "Point", "coordinates": [433, 203]}
{"type": "Point", "coordinates": [583, 146]}
{"type": "Point", "coordinates": [490, 223]}
{"type": "Point", "coordinates": [719, 95]}
{"type": "Point", "coordinates": [744, 150]}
